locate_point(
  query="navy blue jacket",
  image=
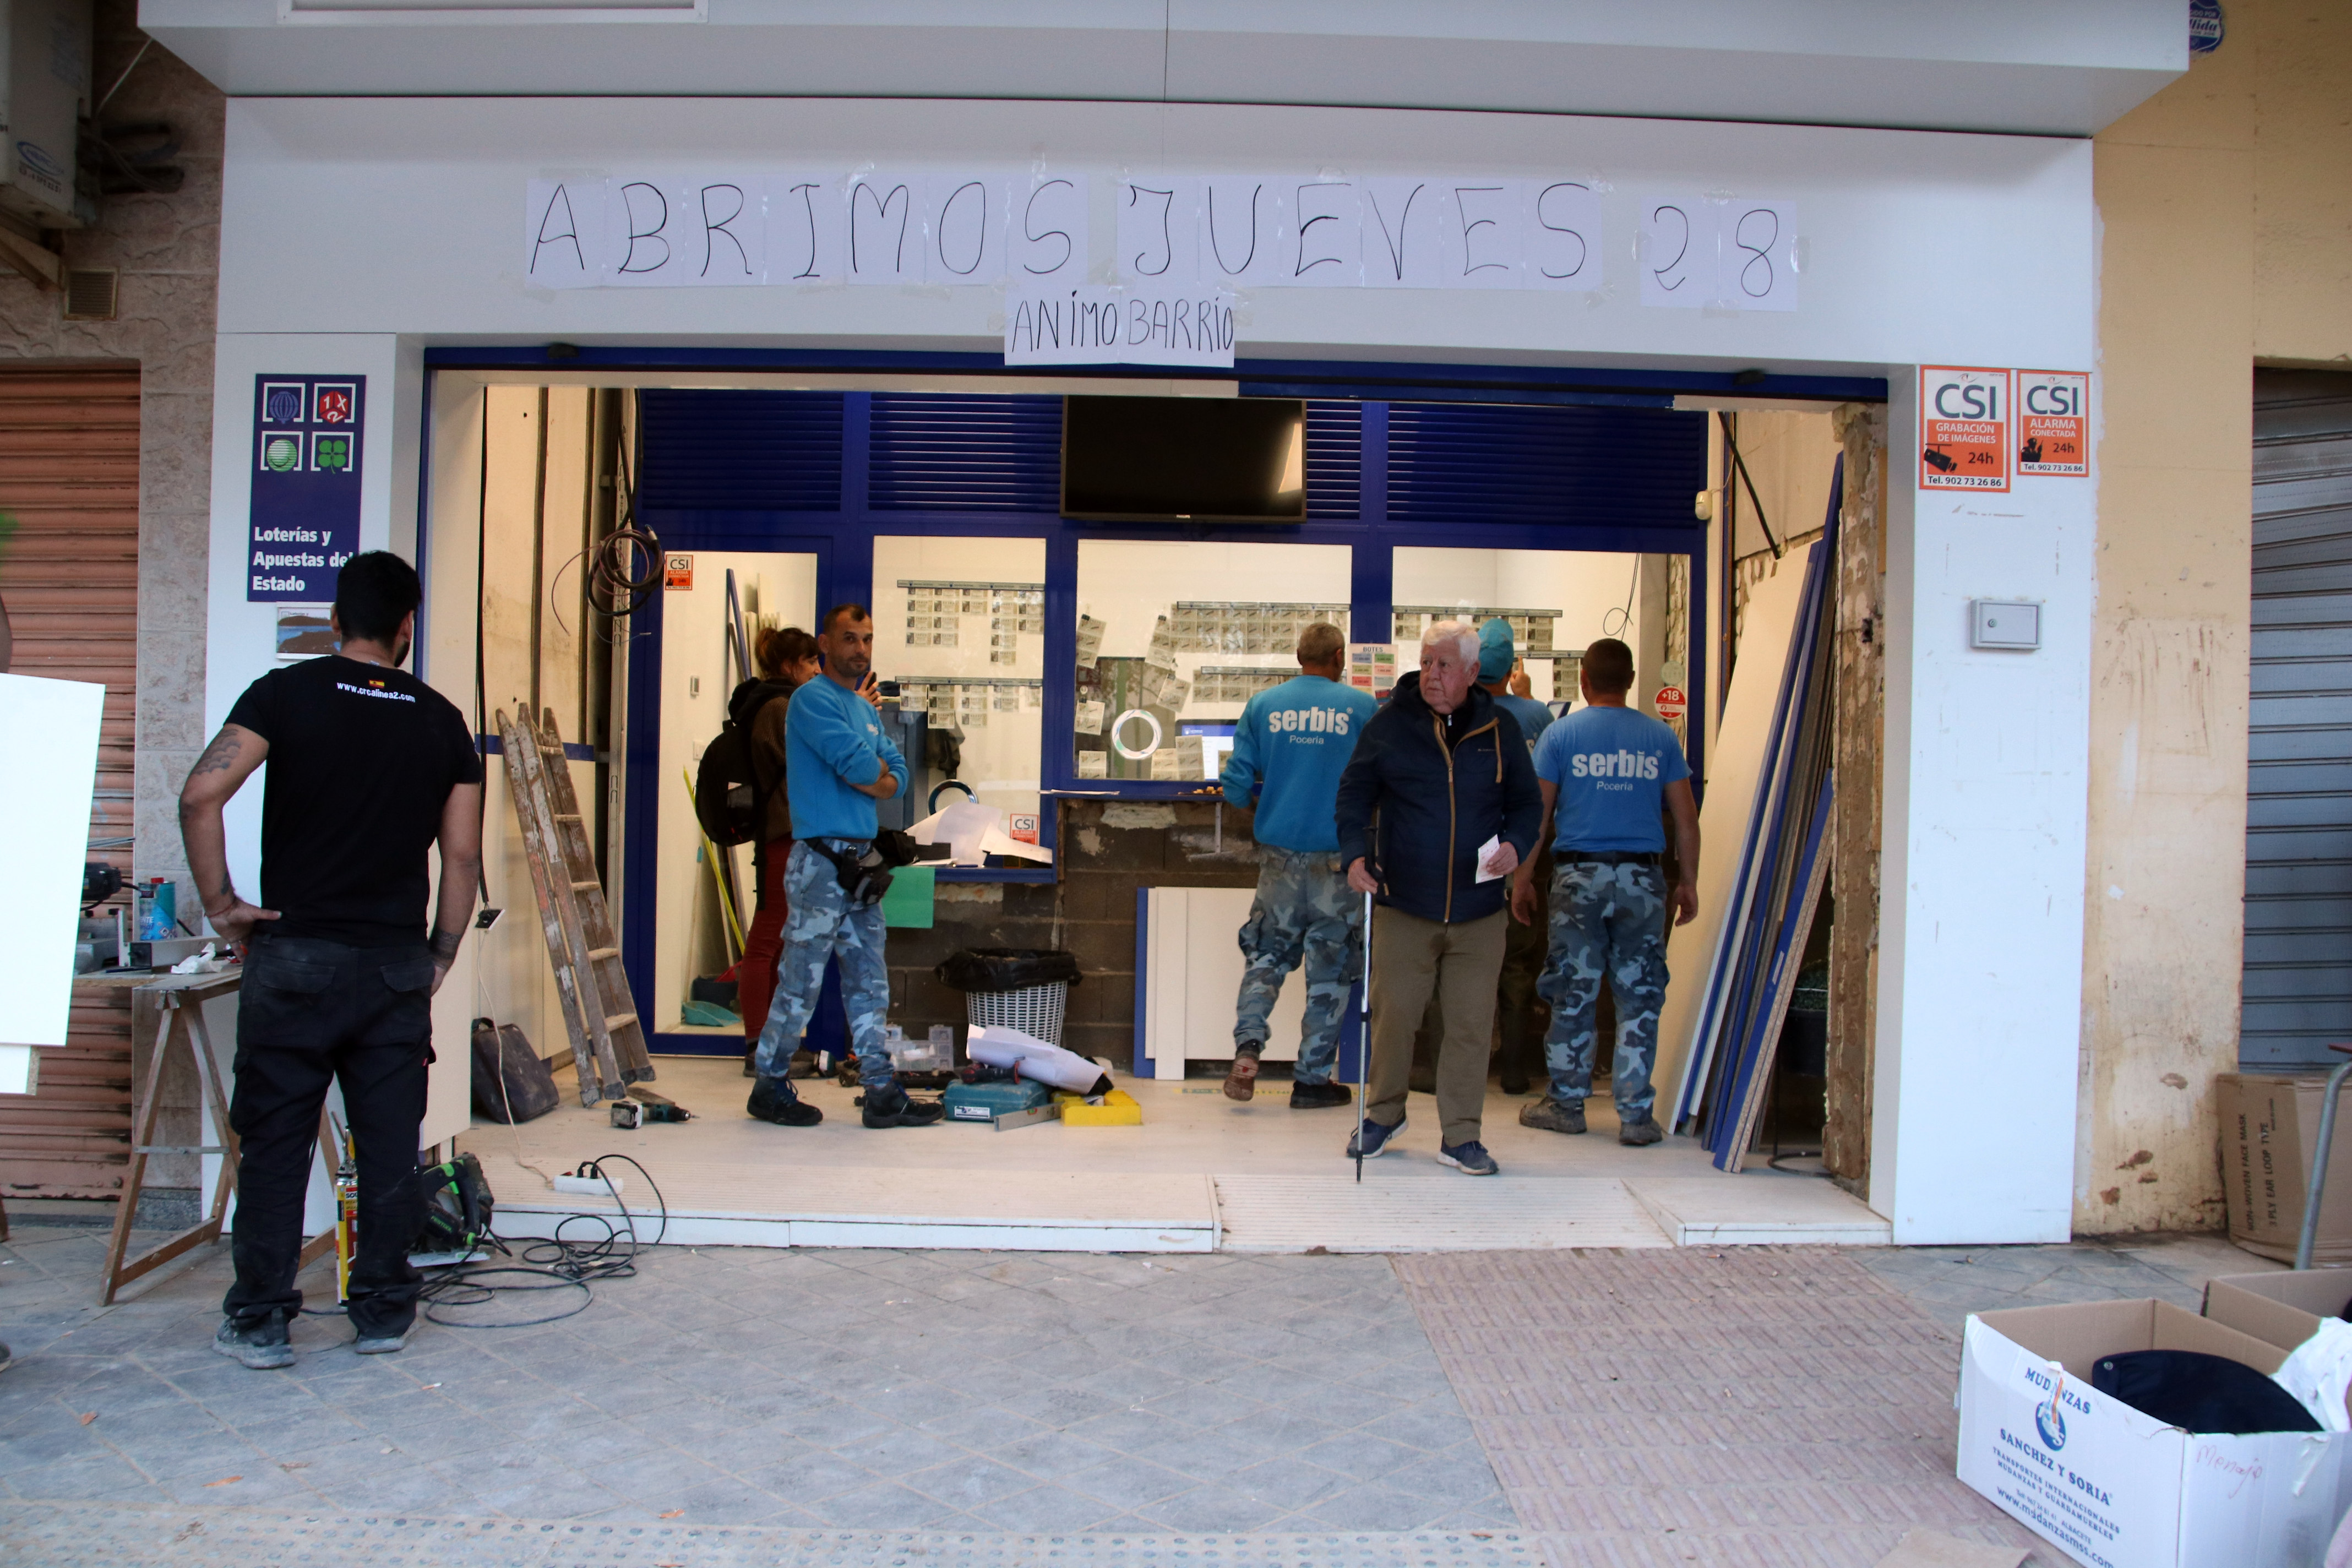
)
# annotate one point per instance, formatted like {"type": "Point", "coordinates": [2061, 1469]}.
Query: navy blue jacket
{"type": "Point", "coordinates": [1436, 806]}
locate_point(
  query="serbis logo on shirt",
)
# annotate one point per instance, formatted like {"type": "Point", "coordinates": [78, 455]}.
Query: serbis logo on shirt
{"type": "Point", "coordinates": [1308, 722]}
{"type": "Point", "coordinates": [1613, 765]}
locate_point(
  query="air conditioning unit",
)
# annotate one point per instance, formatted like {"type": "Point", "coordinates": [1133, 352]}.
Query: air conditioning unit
{"type": "Point", "coordinates": [43, 94]}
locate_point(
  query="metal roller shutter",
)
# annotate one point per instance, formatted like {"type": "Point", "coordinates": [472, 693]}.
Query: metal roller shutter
{"type": "Point", "coordinates": [69, 577]}
{"type": "Point", "coordinates": [2298, 964]}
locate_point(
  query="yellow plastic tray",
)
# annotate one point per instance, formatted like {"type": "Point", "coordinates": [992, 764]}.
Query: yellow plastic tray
{"type": "Point", "coordinates": [1118, 1109]}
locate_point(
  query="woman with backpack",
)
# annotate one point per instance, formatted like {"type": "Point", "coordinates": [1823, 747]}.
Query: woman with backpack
{"type": "Point", "coordinates": [787, 658]}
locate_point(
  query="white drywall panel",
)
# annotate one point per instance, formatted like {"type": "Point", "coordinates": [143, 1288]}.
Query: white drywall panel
{"type": "Point", "coordinates": [45, 798]}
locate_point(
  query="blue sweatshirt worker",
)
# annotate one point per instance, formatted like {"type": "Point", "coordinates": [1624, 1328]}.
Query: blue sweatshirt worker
{"type": "Point", "coordinates": [1608, 774]}
{"type": "Point", "coordinates": [837, 764]}
{"type": "Point", "coordinates": [1289, 750]}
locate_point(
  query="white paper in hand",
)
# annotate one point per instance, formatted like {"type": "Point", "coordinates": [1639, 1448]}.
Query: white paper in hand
{"type": "Point", "coordinates": [1487, 852]}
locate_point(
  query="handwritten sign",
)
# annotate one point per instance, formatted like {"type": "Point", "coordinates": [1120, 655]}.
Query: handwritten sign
{"type": "Point", "coordinates": [1964, 424]}
{"type": "Point", "coordinates": [304, 516]}
{"type": "Point", "coordinates": [1708, 252]}
{"type": "Point", "coordinates": [1180, 231]}
{"type": "Point", "coordinates": [798, 226]}
{"type": "Point", "coordinates": [2053, 422]}
{"type": "Point", "coordinates": [1093, 325]}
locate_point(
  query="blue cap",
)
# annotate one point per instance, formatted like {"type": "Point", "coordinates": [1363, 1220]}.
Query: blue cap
{"type": "Point", "coordinates": [1495, 649]}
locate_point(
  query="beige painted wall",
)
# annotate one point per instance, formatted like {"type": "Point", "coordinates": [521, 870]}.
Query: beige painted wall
{"type": "Point", "coordinates": [2224, 210]}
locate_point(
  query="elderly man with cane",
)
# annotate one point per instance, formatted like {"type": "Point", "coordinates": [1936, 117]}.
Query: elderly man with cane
{"type": "Point", "coordinates": [1437, 808]}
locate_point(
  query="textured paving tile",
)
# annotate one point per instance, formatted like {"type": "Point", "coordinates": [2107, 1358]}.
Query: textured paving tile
{"type": "Point", "coordinates": [881, 1389]}
{"type": "Point", "coordinates": [1751, 1406]}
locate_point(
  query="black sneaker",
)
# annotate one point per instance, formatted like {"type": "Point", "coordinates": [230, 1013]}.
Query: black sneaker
{"type": "Point", "coordinates": [1641, 1132]}
{"type": "Point", "coordinates": [773, 1100]}
{"type": "Point", "coordinates": [1318, 1095]}
{"type": "Point", "coordinates": [899, 1109]}
{"type": "Point", "coordinates": [1377, 1138]}
{"type": "Point", "coordinates": [383, 1344]}
{"type": "Point", "coordinates": [260, 1347]}
{"type": "Point", "coordinates": [1549, 1115]}
{"type": "Point", "coordinates": [1470, 1158]}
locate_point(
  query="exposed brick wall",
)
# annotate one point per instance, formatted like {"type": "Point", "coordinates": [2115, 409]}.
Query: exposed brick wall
{"type": "Point", "coordinates": [1108, 849]}
{"type": "Point", "coordinates": [168, 250]}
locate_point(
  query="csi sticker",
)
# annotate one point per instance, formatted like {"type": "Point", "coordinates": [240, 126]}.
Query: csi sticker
{"type": "Point", "coordinates": [677, 572]}
{"type": "Point", "coordinates": [1963, 425]}
{"type": "Point", "coordinates": [2053, 421]}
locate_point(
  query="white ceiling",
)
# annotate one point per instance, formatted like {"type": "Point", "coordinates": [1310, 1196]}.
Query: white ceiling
{"type": "Point", "coordinates": [2043, 66]}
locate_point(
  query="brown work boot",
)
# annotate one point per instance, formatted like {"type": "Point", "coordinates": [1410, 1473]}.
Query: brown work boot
{"type": "Point", "coordinates": [1241, 1078]}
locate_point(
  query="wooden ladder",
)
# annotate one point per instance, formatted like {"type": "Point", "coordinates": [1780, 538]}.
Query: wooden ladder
{"type": "Point", "coordinates": [608, 1046]}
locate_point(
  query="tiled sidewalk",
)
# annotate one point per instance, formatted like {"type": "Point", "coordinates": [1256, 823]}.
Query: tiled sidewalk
{"type": "Point", "coordinates": [862, 1389]}
{"type": "Point", "coordinates": [1753, 1406]}
{"type": "Point", "coordinates": [1733, 1407]}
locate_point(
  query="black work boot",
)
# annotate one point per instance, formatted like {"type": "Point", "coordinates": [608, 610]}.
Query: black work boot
{"type": "Point", "coordinates": [1549, 1115]}
{"type": "Point", "coordinates": [773, 1100]}
{"type": "Point", "coordinates": [893, 1107]}
{"type": "Point", "coordinates": [1318, 1095]}
{"type": "Point", "coordinates": [1638, 1132]}
{"type": "Point", "coordinates": [260, 1346]}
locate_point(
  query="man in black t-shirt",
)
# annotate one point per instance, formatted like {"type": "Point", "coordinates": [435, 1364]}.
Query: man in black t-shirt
{"type": "Point", "coordinates": [368, 769]}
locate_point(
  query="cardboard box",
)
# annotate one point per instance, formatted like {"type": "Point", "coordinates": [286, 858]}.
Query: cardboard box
{"type": "Point", "coordinates": [2282, 1310]}
{"type": "Point", "coordinates": [2114, 1489]}
{"type": "Point", "coordinates": [2269, 1128]}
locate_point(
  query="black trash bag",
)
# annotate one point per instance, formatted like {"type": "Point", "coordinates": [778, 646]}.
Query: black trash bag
{"type": "Point", "coordinates": [1006, 968]}
{"type": "Point", "coordinates": [2201, 1393]}
{"type": "Point", "coordinates": [511, 1083]}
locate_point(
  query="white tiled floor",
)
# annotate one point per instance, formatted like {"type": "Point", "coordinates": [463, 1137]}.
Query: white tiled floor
{"type": "Point", "coordinates": [1268, 1163]}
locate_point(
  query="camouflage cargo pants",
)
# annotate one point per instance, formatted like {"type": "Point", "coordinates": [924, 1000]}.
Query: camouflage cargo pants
{"type": "Point", "coordinates": [1305, 911]}
{"type": "Point", "coordinates": [1607, 922]}
{"type": "Point", "coordinates": [822, 924]}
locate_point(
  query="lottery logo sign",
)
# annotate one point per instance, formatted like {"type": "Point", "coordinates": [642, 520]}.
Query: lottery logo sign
{"type": "Point", "coordinates": [1964, 426]}
{"type": "Point", "coordinates": [2053, 422]}
{"type": "Point", "coordinates": [308, 433]}
{"type": "Point", "coordinates": [333, 403]}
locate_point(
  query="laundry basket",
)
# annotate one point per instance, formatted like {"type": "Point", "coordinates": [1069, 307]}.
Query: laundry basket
{"type": "Point", "coordinates": [1013, 988]}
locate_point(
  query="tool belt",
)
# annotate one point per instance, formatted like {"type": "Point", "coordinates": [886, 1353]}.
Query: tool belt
{"type": "Point", "coordinates": [863, 869]}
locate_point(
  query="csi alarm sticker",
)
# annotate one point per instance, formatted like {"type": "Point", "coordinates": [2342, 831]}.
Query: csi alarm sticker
{"type": "Point", "coordinates": [2053, 421]}
{"type": "Point", "coordinates": [1963, 425]}
{"type": "Point", "coordinates": [677, 572]}
{"type": "Point", "coordinates": [1672, 703]}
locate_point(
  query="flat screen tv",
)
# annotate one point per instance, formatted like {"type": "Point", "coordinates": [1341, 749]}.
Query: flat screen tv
{"type": "Point", "coordinates": [1184, 459]}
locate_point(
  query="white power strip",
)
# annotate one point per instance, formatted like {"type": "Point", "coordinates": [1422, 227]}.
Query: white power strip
{"type": "Point", "coordinates": [595, 1186]}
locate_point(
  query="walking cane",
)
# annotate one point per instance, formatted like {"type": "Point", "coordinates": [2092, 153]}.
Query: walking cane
{"type": "Point", "coordinates": [1364, 1040]}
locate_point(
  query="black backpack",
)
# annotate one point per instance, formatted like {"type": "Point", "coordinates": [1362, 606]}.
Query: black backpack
{"type": "Point", "coordinates": [729, 799]}
{"type": "Point", "coordinates": [511, 1082]}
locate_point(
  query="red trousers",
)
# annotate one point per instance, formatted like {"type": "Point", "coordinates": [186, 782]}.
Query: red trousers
{"type": "Point", "coordinates": [764, 945]}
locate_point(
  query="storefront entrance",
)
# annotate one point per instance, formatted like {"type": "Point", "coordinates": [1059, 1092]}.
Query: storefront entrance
{"type": "Point", "coordinates": [1573, 515]}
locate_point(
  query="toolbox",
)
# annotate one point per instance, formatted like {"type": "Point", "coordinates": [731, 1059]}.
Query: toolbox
{"type": "Point", "coordinates": [1016, 1103]}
